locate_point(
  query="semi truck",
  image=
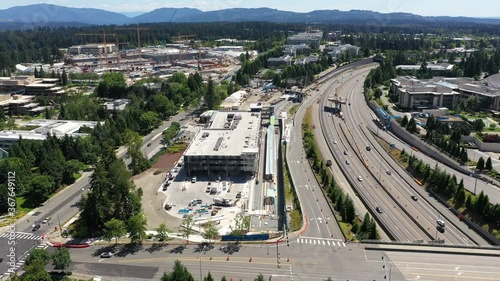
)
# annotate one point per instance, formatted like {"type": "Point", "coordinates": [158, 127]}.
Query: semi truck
{"type": "Point", "coordinates": [223, 202]}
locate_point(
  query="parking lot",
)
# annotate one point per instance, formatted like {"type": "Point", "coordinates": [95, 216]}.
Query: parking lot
{"type": "Point", "coordinates": [206, 199]}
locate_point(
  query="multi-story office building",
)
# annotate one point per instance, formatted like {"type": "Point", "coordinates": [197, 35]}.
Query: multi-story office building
{"type": "Point", "coordinates": [228, 145]}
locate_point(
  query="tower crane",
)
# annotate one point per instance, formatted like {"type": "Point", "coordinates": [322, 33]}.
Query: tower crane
{"type": "Point", "coordinates": [103, 34]}
{"type": "Point", "coordinates": [183, 39]}
{"type": "Point", "coordinates": [138, 29]}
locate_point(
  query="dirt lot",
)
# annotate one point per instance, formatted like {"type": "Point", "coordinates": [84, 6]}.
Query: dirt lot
{"type": "Point", "coordinates": [152, 200]}
{"type": "Point", "coordinates": [166, 161]}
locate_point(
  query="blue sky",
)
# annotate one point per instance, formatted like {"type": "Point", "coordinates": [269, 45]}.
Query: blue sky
{"type": "Point", "coordinates": [479, 8]}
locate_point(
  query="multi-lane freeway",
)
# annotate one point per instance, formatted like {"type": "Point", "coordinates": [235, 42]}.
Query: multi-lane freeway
{"type": "Point", "coordinates": [385, 188]}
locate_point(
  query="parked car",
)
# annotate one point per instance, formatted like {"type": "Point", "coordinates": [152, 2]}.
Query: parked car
{"type": "Point", "coordinates": [360, 178]}
{"type": "Point", "coordinates": [46, 220]}
{"type": "Point", "coordinates": [368, 148]}
{"type": "Point", "coordinates": [414, 198]}
{"type": "Point", "coordinates": [238, 195]}
{"type": "Point", "coordinates": [345, 152]}
{"type": "Point", "coordinates": [388, 172]}
{"type": "Point", "coordinates": [328, 163]}
{"type": "Point", "coordinates": [379, 210]}
{"type": "Point", "coordinates": [36, 227]}
{"type": "Point", "coordinates": [347, 162]}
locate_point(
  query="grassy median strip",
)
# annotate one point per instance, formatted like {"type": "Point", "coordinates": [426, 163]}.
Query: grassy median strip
{"type": "Point", "coordinates": [341, 202]}
{"type": "Point", "coordinates": [292, 198]}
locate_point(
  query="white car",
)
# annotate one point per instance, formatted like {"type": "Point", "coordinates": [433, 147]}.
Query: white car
{"type": "Point", "coordinates": [360, 178]}
{"type": "Point", "coordinates": [334, 141]}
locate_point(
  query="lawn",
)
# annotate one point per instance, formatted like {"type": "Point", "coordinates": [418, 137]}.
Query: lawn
{"type": "Point", "coordinates": [177, 147]}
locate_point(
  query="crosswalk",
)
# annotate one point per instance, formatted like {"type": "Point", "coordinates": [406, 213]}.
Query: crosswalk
{"type": "Point", "coordinates": [21, 235]}
{"type": "Point", "coordinates": [321, 242]}
{"type": "Point", "coordinates": [21, 261]}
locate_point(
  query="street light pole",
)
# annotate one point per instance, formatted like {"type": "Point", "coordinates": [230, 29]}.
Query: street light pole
{"type": "Point", "coordinates": [475, 186]}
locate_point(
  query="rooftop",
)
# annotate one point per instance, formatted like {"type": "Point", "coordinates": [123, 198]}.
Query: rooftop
{"type": "Point", "coordinates": [230, 133]}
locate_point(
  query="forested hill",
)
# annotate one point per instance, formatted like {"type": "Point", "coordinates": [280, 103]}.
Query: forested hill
{"type": "Point", "coordinates": [23, 17]}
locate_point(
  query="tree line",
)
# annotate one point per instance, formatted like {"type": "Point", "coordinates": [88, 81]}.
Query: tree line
{"type": "Point", "coordinates": [477, 207]}
{"type": "Point", "coordinates": [43, 44]}
{"type": "Point", "coordinates": [38, 259]}
{"type": "Point", "coordinates": [43, 167]}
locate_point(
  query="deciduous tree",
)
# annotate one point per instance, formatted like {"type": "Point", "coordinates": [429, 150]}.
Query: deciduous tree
{"type": "Point", "coordinates": [114, 229]}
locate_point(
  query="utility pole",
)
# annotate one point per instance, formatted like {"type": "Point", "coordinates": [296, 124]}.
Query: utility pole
{"type": "Point", "coordinates": [202, 250]}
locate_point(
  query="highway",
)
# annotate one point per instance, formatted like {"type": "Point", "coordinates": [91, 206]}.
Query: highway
{"type": "Point", "coordinates": [405, 218]}
{"type": "Point", "coordinates": [298, 263]}
{"type": "Point", "coordinates": [346, 149]}
{"type": "Point", "coordinates": [470, 182]}
{"type": "Point", "coordinates": [315, 207]}
{"type": "Point", "coordinates": [63, 206]}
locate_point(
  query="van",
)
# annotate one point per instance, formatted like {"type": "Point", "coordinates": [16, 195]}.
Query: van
{"type": "Point", "coordinates": [440, 223]}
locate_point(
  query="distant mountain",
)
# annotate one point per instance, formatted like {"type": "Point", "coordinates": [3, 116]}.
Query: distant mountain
{"type": "Point", "coordinates": [51, 15]}
{"type": "Point", "coordinates": [41, 14]}
{"type": "Point", "coordinates": [168, 15]}
{"type": "Point", "coordinates": [132, 14]}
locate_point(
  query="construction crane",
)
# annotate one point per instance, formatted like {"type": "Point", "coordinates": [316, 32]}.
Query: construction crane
{"type": "Point", "coordinates": [118, 50]}
{"type": "Point", "coordinates": [103, 34]}
{"type": "Point", "coordinates": [138, 29]}
{"type": "Point", "coordinates": [183, 39]}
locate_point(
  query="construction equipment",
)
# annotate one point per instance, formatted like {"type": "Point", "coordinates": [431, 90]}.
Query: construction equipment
{"type": "Point", "coordinates": [104, 34]}
{"type": "Point", "coordinates": [118, 50]}
{"type": "Point", "coordinates": [138, 29]}
{"type": "Point", "coordinates": [183, 39]}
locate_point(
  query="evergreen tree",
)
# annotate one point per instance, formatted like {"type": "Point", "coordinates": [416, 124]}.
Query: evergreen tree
{"type": "Point", "coordinates": [489, 166]}
{"type": "Point", "coordinates": [212, 99]}
{"type": "Point", "coordinates": [365, 226]}
{"type": "Point", "coordinates": [480, 164]}
{"type": "Point", "coordinates": [464, 158]}
{"type": "Point", "coordinates": [64, 78]}
{"type": "Point", "coordinates": [208, 277]}
{"type": "Point", "coordinates": [179, 273]}
{"type": "Point", "coordinates": [373, 233]}
{"type": "Point", "coordinates": [404, 121]}
{"type": "Point", "coordinates": [459, 197]}
{"type": "Point", "coordinates": [468, 203]}
{"type": "Point", "coordinates": [350, 213]}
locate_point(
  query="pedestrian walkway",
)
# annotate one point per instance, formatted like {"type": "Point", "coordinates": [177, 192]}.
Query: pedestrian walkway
{"type": "Point", "coordinates": [21, 235]}
{"type": "Point", "coordinates": [321, 241]}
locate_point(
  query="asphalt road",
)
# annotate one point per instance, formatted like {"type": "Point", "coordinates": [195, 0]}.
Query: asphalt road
{"type": "Point", "coordinates": [401, 214]}
{"type": "Point", "coordinates": [354, 167]}
{"type": "Point", "coordinates": [316, 209]}
{"type": "Point", "coordinates": [470, 182]}
{"type": "Point", "coordinates": [298, 262]}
